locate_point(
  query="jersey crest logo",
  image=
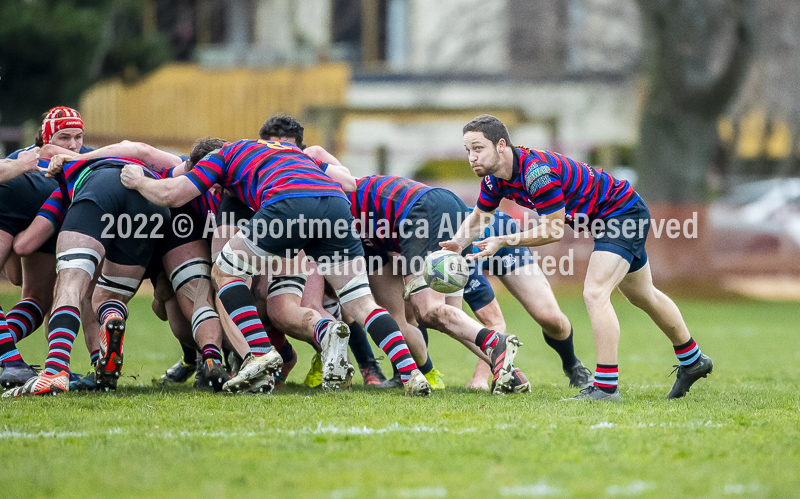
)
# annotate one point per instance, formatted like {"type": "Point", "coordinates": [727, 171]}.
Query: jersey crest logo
{"type": "Point", "coordinates": [537, 177]}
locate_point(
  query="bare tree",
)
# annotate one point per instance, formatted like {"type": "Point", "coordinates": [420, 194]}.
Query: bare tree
{"type": "Point", "coordinates": [696, 53]}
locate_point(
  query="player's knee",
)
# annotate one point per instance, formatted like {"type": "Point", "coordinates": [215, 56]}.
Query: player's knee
{"type": "Point", "coordinates": [550, 319]}
{"type": "Point", "coordinates": [595, 295]}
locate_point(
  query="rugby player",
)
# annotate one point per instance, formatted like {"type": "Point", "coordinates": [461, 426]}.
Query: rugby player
{"type": "Point", "coordinates": [92, 191]}
{"type": "Point", "coordinates": [403, 217]}
{"type": "Point", "coordinates": [521, 275]}
{"type": "Point", "coordinates": [24, 194]}
{"type": "Point", "coordinates": [286, 129]}
{"type": "Point", "coordinates": [283, 185]}
{"type": "Point", "coordinates": [564, 191]}
{"type": "Point", "coordinates": [185, 258]}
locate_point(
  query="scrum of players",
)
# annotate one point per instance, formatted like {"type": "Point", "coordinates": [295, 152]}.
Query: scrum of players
{"type": "Point", "coordinates": [80, 229]}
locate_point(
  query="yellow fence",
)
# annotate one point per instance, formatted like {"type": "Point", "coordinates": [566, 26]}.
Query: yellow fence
{"type": "Point", "coordinates": [756, 137]}
{"type": "Point", "coordinates": [180, 103]}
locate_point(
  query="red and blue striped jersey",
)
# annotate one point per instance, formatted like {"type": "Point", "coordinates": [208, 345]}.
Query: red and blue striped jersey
{"type": "Point", "coordinates": [380, 203]}
{"type": "Point", "coordinates": [206, 203]}
{"type": "Point", "coordinates": [72, 177]}
{"type": "Point", "coordinates": [262, 172]}
{"type": "Point", "coordinates": [547, 181]}
{"type": "Point", "coordinates": [202, 205]}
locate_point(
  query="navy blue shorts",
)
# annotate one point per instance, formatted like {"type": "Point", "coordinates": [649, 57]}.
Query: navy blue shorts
{"type": "Point", "coordinates": [376, 257]}
{"type": "Point", "coordinates": [314, 225]}
{"type": "Point", "coordinates": [626, 239]}
{"type": "Point", "coordinates": [478, 292]}
{"type": "Point", "coordinates": [506, 259]}
{"type": "Point", "coordinates": [231, 211]}
{"type": "Point", "coordinates": [434, 207]}
{"type": "Point", "coordinates": [20, 201]}
{"type": "Point", "coordinates": [98, 208]}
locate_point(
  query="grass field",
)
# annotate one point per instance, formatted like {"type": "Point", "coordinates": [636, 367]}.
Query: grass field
{"type": "Point", "coordinates": [737, 434]}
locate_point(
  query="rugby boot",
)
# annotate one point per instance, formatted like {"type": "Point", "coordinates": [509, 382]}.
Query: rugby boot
{"type": "Point", "coordinates": [337, 372]}
{"type": "Point", "coordinates": [41, 384]}
{"type": "Point", "coordinates": [214, 375]}
{"type": "Point", "coordinates": [85, 383]}
{"type": "Point", "coordinates": [687, 375]}
{"type": "Point", "coordinates": [435, 379]}
{"type": "Point", "coordinates": [180, 372]}
{"type": "Point", "coordinates": [579, 376]}
{"type": "Point", "coordinates": [109, 366]}
{"type": "Point", "coordinates": [417, 385]}
{"type": "Point", "coordinates": [393, 382]}
{"type": "Point", "coordinates": [373, 374]}
{"type": "Point", "coordinates": [594, 394]}
{"type": "Point", "coordinates": [314, 376]}
{"type": "Point", "coordinates": [264, 385]}
{"type": "Point", "coordinates": [254, 368]}
{"type": "Point", "coordinates": [16, 373]}
{"type": "Point", "coordinates": [519, 382]}
{"type": "Point", "coordinates": [502, 357]}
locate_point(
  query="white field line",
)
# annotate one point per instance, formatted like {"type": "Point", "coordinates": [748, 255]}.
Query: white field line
{"type": "Point", "coordinates": [539, 489]}
{"type": "Point", "coordinates": [633, 489]}
{"type": "Point", "coordinates": [327, 429]}
{"type": "Point", "coordinates": [670, 424]}
{"type": "Point", "coordinates": [739, 488]}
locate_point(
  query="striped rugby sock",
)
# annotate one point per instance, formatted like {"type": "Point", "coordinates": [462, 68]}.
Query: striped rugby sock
{"type": "Point", "coordinates": [212, 352]}
{"type": "Point", "coordinates": [487, 339]}
{"type": "Point", "coordinates": [386, 333]}
{"type": "Point", "coordinates": [688, 353]}
{"type": "Point", "coordinates": [321, 329]}
{"type": "Point", "coordinates": [238, 302]}
{"type": "Point", "coordinates": [606, 377]}
{"type": "Point", "coordinates": [24, 318]}
{"type": "Point", "coordinates": [8, 347]}
{"type": "Point", "coordinates": [63, 326]}
{"type": "Point", "coordinates": [111, 308]}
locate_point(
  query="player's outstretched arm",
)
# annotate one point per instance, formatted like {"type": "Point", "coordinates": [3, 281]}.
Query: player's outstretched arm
{"type": "Point", "coordinates": [32, 238]}
{"type": "Point", "coordinates": [155, 159]}
{"type": "Point", "coordinates": [335, 170]}
{"type": "Point", "coordinates": [549, 230]}
{"type": "Point", "coordinates": [471, 229]}
{"type": "Point", "coordinates": [319, 153]}
{"type": "Point", "coordinates": [50, 150]}
{"type": "Point", "coordinates": [171, 192]}
{"type": "Point", "coordinates": [27, 161]}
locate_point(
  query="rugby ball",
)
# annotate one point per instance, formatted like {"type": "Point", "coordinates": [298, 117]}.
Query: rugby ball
{"type": "Point", "coordinates": [446, 271]}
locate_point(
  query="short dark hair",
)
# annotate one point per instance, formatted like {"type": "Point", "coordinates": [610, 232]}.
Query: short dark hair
{"type": "Point", "coordinates": [491, 127]}
{"type": "Point", "coordinates": [283, 126]}
{"type": "Point", "coordinates": [201, 148]}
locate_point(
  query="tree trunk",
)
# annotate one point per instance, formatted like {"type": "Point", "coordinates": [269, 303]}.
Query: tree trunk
{"type": "Point", "coordinates": [696, 53]}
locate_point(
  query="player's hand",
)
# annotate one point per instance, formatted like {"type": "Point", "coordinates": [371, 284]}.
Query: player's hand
{"type": "Point", "coordinates": [452, 246]}
{"type": "Point", "coordinates": [487, 247]}
{"type": "Point", "coordinates": [130, 175]}
{"type": "Point", "coordinates": [57, 163]}
{"type": "Point", "coordinates": [28, 161]}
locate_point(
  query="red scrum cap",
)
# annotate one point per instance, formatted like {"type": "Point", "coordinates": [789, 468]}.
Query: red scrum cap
{"type": "Point", "coordinates": [60, 118]}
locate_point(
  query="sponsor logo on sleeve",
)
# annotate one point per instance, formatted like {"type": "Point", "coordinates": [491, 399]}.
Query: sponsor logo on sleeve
{"type": "Point", "coordinates": [537, 177]}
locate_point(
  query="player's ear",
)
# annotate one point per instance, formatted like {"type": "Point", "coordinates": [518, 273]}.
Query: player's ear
{"type": "Point", "coordinates": [501, 145]}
